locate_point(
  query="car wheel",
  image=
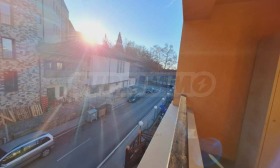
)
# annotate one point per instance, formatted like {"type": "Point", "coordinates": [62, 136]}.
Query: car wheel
{"type": "Point", "coordinates": [46, 152]}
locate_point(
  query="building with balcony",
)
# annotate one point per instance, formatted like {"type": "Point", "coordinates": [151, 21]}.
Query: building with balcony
{"type": "Point", "coordinates": [64, 69]}
{"type": "Point", "coordinates": [229, 72]}
{"type": "Point", "coordinates": [75, 70]}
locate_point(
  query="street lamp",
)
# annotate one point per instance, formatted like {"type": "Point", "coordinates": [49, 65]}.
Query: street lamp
{"type": "Point", "coordinates": [141, 123]}
{"type": "Point", "coordinates": [155, 112]}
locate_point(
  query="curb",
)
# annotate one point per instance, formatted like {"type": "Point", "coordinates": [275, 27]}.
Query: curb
{"type": "Point", "coordinates": [119, 105]}
{"type": "Point", "coordinates": [56, 135]}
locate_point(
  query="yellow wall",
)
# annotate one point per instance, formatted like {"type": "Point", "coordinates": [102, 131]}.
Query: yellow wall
{"type": "Point", "coordinates": [270, 153]}
{"type": "Point", "coordinates": [259, 98]}
{"type": "Point", "coordinates": [224, 45]}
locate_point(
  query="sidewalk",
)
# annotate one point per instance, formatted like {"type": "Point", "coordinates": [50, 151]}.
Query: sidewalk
{"type": "Point", "coordinates": [66, 127]}
{"type": "Point", "coordinates": [72, 124]}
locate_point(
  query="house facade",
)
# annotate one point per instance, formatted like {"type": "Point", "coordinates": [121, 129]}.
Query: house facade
{"type": "Point", "coordinates": [24, 26]}
{"type": "Point", "coordinates": [44, 63]}
{"type": "Point", "coordinates": [108, 74]}
{"type": "Point", "coordinates": [19, 67]}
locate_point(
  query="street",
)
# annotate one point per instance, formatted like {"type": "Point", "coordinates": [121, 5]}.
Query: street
{"type": "Point", "coordinates": [88, 145]}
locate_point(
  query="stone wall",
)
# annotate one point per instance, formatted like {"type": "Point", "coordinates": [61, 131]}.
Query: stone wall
{"type": "Point", "coordinates": [23, 31]}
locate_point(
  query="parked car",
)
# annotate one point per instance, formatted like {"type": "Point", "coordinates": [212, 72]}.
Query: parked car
{"type": "Point", "coordinates": [134, 98]}
{"type": "Point", "coordinates": [151, 90]}
{"type": "Point", "coordinates": [21, 151]}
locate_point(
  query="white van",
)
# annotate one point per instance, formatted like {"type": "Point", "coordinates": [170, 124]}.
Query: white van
{"type": "Point", "coordinates": [21, 151]}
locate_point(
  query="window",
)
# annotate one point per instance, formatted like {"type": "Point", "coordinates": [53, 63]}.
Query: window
{"type": "Point", "coordinates": [94, 89]}
{"type": "Point", "coordinates": [48, 65]}
{"type": "Point", "coordinates": [10, 81]}
{"type": "Point", "coordinates": [120, 66]}
{"type": "Point", "coordinates": [15, 154]}
{"type": "Point", "coordinates": [2, 153]}
{"type": "Point", "coordinates": [5, 13]}
{"type": "Point", "coordinates": [106, 87]}
{"type": "Point", "coordinates": [7, 48]}
{"type": "Point", "coordinates": [59, 66]}
{"type": "Point", "coordinates": [38, 19]}
{"type": "Point", "coordinates": [43, 140]}
{"type": "Point", "coordinates": [61, 91]}
{"type": "Point", "coordinates": [29, 147]}
{"type": "Point", "coordinates": [56, 29]}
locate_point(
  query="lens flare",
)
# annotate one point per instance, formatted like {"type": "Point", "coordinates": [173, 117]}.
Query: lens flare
{"type": "Point", "coordinates": [92, 32]}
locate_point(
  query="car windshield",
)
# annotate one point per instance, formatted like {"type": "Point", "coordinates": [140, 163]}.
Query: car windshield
{"type": "Point", "coordinates": [2, 153]}
{"type": "Point", "coordinates": [133, 96]}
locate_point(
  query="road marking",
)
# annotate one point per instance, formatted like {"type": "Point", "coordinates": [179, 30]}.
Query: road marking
{"type": "Point", "coordinates": [104, 161]}
{"type": "Point", "coordinates": [73, 150]}
{"type": "Point", "coordinates": [66, 132]}
{"type": "Point", "coordinates": [113, 151]}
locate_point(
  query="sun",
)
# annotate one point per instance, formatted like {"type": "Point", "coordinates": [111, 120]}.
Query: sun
{"type": "Point", "coordinates": [92, 32]}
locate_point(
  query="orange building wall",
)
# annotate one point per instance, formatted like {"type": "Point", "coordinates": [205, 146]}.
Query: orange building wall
{"type": "Point", "coordinates": [223, 45]}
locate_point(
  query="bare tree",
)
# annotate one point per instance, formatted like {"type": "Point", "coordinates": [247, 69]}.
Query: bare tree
{"type": "Point", "coordinates": [169, 57]}
{"type": "Point", "coordinates": [166, 56]}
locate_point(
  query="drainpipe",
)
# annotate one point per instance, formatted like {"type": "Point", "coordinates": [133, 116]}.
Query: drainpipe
{"type": "Point", "coordinates": [43, 19]}
{"type": "Point", "coordinates": [109, 76]}
{"type": "Point", "coordinates": [40, 81]}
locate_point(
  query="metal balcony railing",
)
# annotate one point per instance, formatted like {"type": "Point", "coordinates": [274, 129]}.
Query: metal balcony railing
{"type": "Point", "coordinates": [175, 143]}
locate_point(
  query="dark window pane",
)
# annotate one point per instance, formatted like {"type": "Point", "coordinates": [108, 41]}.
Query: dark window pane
{"type": "Point", "coordinates": [106, 87]}
{"type": "Point", "coordinates": [94, 89]}
{"type": "Point", "coordinates": [29, 147]}
{"type": "Point", "coordinates": [43, 140]}
{"type": "Point", "coordinates": [12, 156]}
{"type": "Point", "coordinates": [61, 91]}
{"type": "Point", "coordinates": [10, 81]}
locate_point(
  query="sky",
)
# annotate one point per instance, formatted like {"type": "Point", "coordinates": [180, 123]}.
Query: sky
{"type": "Point", "coordinates": [146, 22]}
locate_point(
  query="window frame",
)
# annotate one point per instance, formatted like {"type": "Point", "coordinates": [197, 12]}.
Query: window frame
{"type": "Point", "coordinates": [94, 89]}
{"type": "Point", "coordinates": [48, 65]}
{"type": "Point", "coordinates": [61, 91]}
{"type": "Point", "coordinates": [15, 87]}
{"type": "Point", "coordinates": [106, 87]}
{"type": "Point", "coordinates": [38, 19]}
{"type": "Point", "coordinates": [10, 14]}
{"type": "Point", "coordinates": [13, 47]}
{"type": "Point", "coordinates": [7, 160]}
{"type": "Point", "coordinates": [59, 66]}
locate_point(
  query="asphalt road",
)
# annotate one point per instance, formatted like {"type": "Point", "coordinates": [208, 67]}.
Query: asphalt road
{"type": "Point", "coordinates": [88, 145]}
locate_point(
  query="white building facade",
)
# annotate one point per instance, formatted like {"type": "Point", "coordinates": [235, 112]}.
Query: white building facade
{"type": "Point", "coordinates": [108, 74]}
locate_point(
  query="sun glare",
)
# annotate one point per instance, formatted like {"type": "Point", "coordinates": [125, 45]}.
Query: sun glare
{"type": "Point", "coordinates": [93, 32]}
